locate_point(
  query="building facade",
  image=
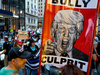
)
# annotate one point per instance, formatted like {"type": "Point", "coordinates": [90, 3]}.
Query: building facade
{"type": "Point", "coordinates": [17, 7]}
{"type": "Point", "coordinates": [31, 12]}
{"type": "Point", "coordinates": [41, 7]}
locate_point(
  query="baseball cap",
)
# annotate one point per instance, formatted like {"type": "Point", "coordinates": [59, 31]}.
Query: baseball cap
{"type": "Point", "coordinates": [31, 41]}
{"type": "Point", "coordinates": [16, 52]}
{"type": "Point", "coordinates": [19, 41]}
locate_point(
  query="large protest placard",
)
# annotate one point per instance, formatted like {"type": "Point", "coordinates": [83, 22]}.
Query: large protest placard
{"type": "Point", "coordinates": [22, 35]}
{"type": "Point", "coordinates": [68, 32]}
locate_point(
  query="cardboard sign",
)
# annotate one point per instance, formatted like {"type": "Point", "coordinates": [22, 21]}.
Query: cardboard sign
{"type": "Point", "coordinates": [68, 32]}
{"type": "Point", "coordinates": [22, 35]}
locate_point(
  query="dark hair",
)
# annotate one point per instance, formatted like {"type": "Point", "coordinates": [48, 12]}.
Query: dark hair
{"type": "Point", "coordinates": [38, 37]}
{"type": "Point", "coordinates": [31, 41]}
{"type": "Point", "coordinates": [6, 38]}
{"type": "Point", "coordinates": [71, 70]}
{"type": "Point", "coordinates": [16, 32]}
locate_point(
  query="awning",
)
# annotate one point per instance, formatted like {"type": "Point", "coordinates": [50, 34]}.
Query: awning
{"type": "Point", "coordinates": [7, 14]}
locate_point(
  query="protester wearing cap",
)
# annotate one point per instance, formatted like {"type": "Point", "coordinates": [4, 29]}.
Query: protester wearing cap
{"type": "Point", "coordinates": [16, 59]}
{"type": "Point", "coordinates": [19, 43]}
{"type": "Point", "coordinates": [32, 63]}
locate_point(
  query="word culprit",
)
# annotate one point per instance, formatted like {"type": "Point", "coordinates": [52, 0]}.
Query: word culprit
{"type": "Point", "coordinates": [75, 3]}
{"type": "Point", "coordinates": [60, 61]}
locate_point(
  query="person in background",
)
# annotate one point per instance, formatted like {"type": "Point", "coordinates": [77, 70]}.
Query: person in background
{"type": "Point", "coordinates": [34, 37]}
{"type": "Point", "coordinates": [0, 35]}
{"type": "Point", "coordinates": [13, 40]}
{"type": "Point", "coordinates": [17, 59]}
{"type": "Point", "coordinates": [98, 35]}
{"type": "Point", "coordinates": [94, 56]}
{"type": "Point", "coordinates": [16, 35]}
{"type": "Point", "coordinates": [19, 43]}
{"type": "Point", "coordinates": [32, 63]}
{"type": "Point", "coordinates": [97, 51]}
{"type": "Point", "coordinates": [96, 39]}
{"type": "Point", "coordinates": [5, 51]}
{"type": "Point", "coordinates": [37, 39]}
{"type": "Point", "coordinates": [71, 70]}
{"type": "Point", "coordinates": [13, 32]}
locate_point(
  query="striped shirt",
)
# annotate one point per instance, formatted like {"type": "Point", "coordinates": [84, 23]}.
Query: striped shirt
{"type": "Point", "coordinates": [33, 61]}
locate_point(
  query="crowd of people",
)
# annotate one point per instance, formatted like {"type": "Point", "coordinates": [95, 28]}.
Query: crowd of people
{"type": "Point", "coordinates": [25, 54]}
{"type": "Point", "coordinates": [21, 52]}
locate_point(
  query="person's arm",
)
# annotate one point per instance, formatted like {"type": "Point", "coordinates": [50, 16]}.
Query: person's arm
{"type": "Point", "coordinates": [4, 51]}
{"type": "Point", "coordinates": [25, 47]}
{"type": "Point", "coordinates": [5, 48]}
{"type": "Point", "coordinates": [95, 46]}
{"type": "Point", "coordinates": [15, 44]}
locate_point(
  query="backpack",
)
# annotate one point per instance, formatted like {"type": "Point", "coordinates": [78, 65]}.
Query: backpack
{"type": "Point", "coordinates": [10, 44]}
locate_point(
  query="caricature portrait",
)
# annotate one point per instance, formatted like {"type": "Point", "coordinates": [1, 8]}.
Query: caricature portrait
{"type": "Point", "coordinates": [65, 30]}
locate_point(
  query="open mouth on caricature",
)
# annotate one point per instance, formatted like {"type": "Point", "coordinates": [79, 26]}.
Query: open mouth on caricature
{"type": "Point", "coordinates": [64, 45]}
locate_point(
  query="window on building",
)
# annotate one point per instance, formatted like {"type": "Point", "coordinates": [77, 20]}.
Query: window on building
{"type": "Point", "coordinates": [27, 9]}
{"type": "Point", "coordinates": [27, 3]}
{"type": "Point", "coordinates": [28, 20]}
{"type": "Point", "coordinates": [31, 6]}
{"type": "Point", "coordinates": [41, 14]}
{"type": "Point", "coordinates": [34, 21]}
{"type": "Point", "coordinates": [31, 20]}
{"type": "Point", "coordinates": [41, 3]}
{"type": "Point", "coordinates": [34, 13]}
{"type": "Point", "coordinates": [34, 1]}
{"type": "Point", "coordinates": [21, 21]}
{"type": "Point", "coordinates": [34, 6]}
{"type": "Point", "coordinates": [39, 0]}
{"type": "Point", "coordinates": [31, 12]}
{"type": "Point", "coordinates": [41, 10]}
{"type": "Point", "coordinates": [39, 7]}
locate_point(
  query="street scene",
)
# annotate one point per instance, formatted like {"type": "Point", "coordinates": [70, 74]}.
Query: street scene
{"type": "Point", "coordinates": [49, 37]}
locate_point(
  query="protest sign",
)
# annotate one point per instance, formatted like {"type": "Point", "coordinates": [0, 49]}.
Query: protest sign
{"type": "Point", "coordinates": [22, 35]}
{"type": "Point", "coordinates": [68, 32]}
